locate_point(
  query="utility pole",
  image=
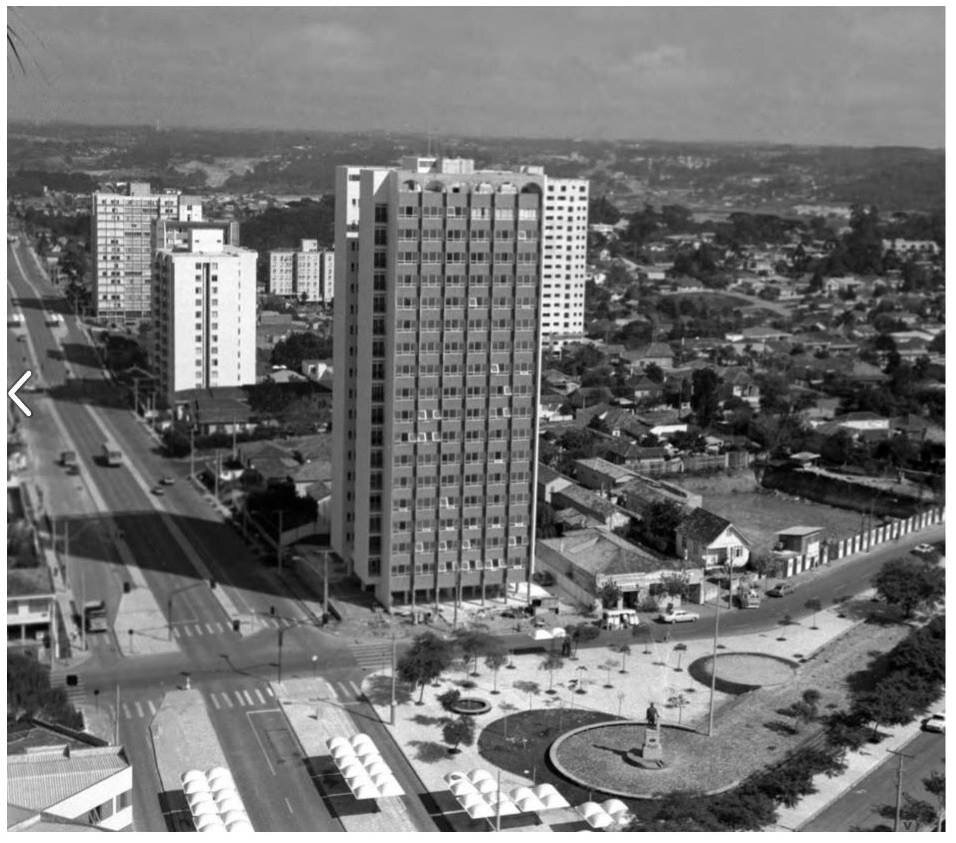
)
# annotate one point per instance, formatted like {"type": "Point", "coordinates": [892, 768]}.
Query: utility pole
{"type": "Point", "coordinates": [279, 679]}
{"type": "Point", "coordinates": [218, 471]}
{"type": "Point", "coordinates": [192, 451]}
{"type": "Point", "coordinates": [234, 451]}
{"type": "Point", "coordinates": [325, 586]}
{"type": "Point", "coordinates": [391, 708]}
{"type": "Point", "coordinates": [279, 542]}
{"type": "Point", "coordinates": [899, 785]}
{"type": "Point", "coordinates": [116, 718]}
{"type": "Point", "coordinates": [713, 669]}
{"type": "Point", "coordinates": [498, 804]}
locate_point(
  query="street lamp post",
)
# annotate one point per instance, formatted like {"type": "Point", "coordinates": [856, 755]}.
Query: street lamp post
{"type": "Point", "coordinates": [315, 666]}
{"type": "Point", "coordinates": [279, 541]}
{"type": "Point", "coordinates": [279, 675]}
{"type": "Point", "coordinates": [713, 667]}
{"type": "Point", "coordinates": [391, 707]}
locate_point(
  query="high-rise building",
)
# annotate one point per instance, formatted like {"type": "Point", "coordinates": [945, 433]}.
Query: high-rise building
{"type": "Point", "coordinates": [306, 273]}
{"type": "Point", "coordinates": [122, 223]}
{"type": "Point", "coordinates": [564, 260]}
{"type": "Point", "coordinates": [174, 234]}
{"type": "Point", "coordinates": [436, 361]}
{"type": "Point", "coordinates": [204, 314]}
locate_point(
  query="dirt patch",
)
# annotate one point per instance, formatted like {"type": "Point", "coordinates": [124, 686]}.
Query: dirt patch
{"type": "Point", "coordinates": [719, 483]}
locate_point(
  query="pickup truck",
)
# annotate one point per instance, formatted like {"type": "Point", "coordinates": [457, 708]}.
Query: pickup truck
{"type": "Point", "coordinates": [68, 459]}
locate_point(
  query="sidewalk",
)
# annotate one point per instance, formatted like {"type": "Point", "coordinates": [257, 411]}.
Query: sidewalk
{"type": "Point", "coordinates": [315, 715]}
{"type": "Point", "coordinates": [859, 765]}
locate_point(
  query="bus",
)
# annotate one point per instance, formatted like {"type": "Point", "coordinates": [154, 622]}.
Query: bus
{"type": "Point", "coordinates": [94, 616]}
{"type": "Point", "coordinates": [111, 454]}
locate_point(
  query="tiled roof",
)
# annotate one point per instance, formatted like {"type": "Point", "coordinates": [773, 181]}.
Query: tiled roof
{"type": "Point", "coordinates": [38, 780]}
{"type": "Point", "coordinates": [703, 526]}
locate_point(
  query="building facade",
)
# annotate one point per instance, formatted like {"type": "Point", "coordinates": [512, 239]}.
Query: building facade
{"type": "Point", "coordinates": [204, 306]}
{"type": "Point", "coordinates": [307, 273]}
{"type": "Point", "coordinates": [564, 259]}
{"type": "Point", "coordinates": [436, 376]}
{"type": "Point", "coordinates": [121, 244]}
{"type": "Point", "coordinates": [281, 272]}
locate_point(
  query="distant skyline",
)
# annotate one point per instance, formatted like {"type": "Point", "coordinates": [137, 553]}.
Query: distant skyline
{"type": "Point", "coordinates": [859, 76]}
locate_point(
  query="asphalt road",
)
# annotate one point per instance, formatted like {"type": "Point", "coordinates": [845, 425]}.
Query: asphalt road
{"type": "Point", "coordinates": [866, 807]}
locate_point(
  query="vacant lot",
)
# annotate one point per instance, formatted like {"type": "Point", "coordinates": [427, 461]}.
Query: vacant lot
{"type": "Point", "coordinates": [761, 515]}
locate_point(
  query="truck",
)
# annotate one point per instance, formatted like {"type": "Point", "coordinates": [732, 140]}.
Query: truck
{"type": "Point", "coordinates": [111, 454]}
{"type": "Point", "coordinates": [94, 616]}
{"type": "Point", "coordinates": [68, 459]}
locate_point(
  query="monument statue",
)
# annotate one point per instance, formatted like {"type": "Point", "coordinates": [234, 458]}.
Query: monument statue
{"type": "Point", "coordinates": [651, 755]}
{"type": "Point", "coordinates": [652, 716]}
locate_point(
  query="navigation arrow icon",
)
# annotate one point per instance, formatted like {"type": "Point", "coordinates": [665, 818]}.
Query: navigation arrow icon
{"type": "Point", "coordinates": [12, 393]}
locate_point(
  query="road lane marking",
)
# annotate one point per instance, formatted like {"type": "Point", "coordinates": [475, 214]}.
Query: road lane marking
{"type": "Point", "coordinates": [215, 702]}
{"type": "Point", "coordinates": [289, 805]}
{"type": "Point", "coordinates": [269, 691]}
{"type": "Point", "coordinates": [261, 745]}
{"type": "Point", "coordinates": [127, 714]}
{"type": "Point", "coordinates": [356, 688]}
{"type": "Point", "coordinates": [212, 630]}
{"type": "Point", "coordinates": [199, 629]}
{"type": "Point", "coordinates": [248, 697]}
{"type": "Point", "coordinates": [139, 709]}
{"type": "Point", "coordinates": [152, 708]}
{"type": "Point", "coordinates": [262, 699]}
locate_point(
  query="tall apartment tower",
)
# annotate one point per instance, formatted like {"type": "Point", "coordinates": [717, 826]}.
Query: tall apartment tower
{"type": "Point", "coordinates": [564, 269]}
{"type": "Point", "coordinates": [281, 272]}
{"type": "Point", "coordinates": [436, 361]}
{"type": "Point", "coordinates": [204, 314]}
{"type": "Point", "coordinates": [122, 245]}
{"type": "Point", "coordinates": [306, 273]}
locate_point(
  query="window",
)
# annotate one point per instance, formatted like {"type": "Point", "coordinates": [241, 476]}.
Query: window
{"type": "Point", "coordinates": [381, 213]}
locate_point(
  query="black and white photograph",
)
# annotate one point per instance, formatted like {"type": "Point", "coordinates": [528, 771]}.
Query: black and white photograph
{"type": "Point", "coordinates": [471, 418]}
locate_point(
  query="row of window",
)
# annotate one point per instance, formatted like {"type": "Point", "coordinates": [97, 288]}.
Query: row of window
{"type": "Point", "coordinates": [464, 212]}
{"type": "Point", "coordinates": [499, 345]}
{"type": "Point", "coordinates": [403, 504]}
{"type": "Point", "coordinates": [523, 257]}
{"type": "Point", "coordinates": [455, 279]}
{"type": "Point", "coordinates": [478, 368]}
{"type": "Point", "coordinates": [428, 546]}
{"type": "Point", "coordinates": [427, 458]}
{"type": "Point", "coordinates": [481, 299]}
{"type": "Point", "coordinates": [470, 435]}
{"type": "Point", "coordinates": [493, 563]}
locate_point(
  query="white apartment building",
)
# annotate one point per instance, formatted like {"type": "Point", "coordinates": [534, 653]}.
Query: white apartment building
{"type": "Point", "coordinates": [121, 244]}
{"type": "Point", "coordinates": [282, 272]}
{"type": "Point", "coordinates": [307, 273]}
{"type": "Point", "coordinates": [436, 376]}
{"type": "Point", "coordinates": [204, 314]}
{"type": "Point", "coordinates": [564, 261]}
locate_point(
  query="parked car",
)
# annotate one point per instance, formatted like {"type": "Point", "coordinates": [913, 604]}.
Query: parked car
{"type": "Point", "coordinates": [924, 549]}
{"type": "Point", "coordinates": [781, 589]}
{"type": "Point", "coordinates": [935, 722]}
{"type": "Point", "coordinates": [158, 491]}
{"type": "Point", "coordinates": [166, 480]}
{"type": "Point", "coordinates": [678, 616]}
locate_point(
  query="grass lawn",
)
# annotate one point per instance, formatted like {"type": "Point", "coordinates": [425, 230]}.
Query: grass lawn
{"type": "Point", "coordinates": [761, 515]}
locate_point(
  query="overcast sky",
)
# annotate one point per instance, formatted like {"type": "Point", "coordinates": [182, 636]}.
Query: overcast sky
{"type": "Point", "coordinates": [860, 76]}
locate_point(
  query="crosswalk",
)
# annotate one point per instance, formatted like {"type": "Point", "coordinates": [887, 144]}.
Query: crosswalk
{"type": "Point", "coordinates": [241, 698]}
{"type": "Point", "coordinates": [193, 629]}
{"type": "Point", "coordinates": [346, 690]}
{"type": "Point", "coordinates": [372, 656]}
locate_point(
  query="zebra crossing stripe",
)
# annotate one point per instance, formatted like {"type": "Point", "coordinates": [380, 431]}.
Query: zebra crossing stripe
{"type": "Point", "coordinates": [239, 697]}
{"type": "Point", "coordinates": [184, 630]}
{"type": "Point", "coordinates": [215, 702]}
{"type": "Point", "coordinates": [262, 699]}
{"type": "Point", "coordinates": [126, 712]}
{"type": "Point", "coordinates": [177, 632]}
{"type": "Point", "coordinates": [199, 629]}
{"type": "Point", "coordinates": [212, 629]}
{"type": "Point", "coordinates": [152, 708]}
{"type": "Point", "coordinates": [226, 700]}
{"type": "Point", "coordinates": [269, 691]}
{"type": "Point", "coordinates": [139, 709]}
{"type": "Point", "coordinates": [355, 688]}
{"type": "Point", "coordinates": [248, 697]}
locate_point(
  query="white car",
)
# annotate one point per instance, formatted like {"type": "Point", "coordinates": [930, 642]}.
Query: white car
{"type": "Point", "coordinates": [678, 616]}
{"type": "Point", "coordinates": [935, 722]}
{"type": "Point", "coordinates": [924, 549]}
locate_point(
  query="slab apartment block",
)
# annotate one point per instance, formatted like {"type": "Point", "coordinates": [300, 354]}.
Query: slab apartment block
{"type": "Point", "coordinates": [122, 238]}
{"type": "Point", "coordinates": [438, 286]}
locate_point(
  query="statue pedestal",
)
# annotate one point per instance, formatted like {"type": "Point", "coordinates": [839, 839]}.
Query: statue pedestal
{"type": "Point", "coordinates": [652, 750]}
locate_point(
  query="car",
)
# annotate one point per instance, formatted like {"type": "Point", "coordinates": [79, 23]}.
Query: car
{"type": "Point", "coordinates": [166, 480]}
{"type": "Point", "coordinates": [678, 616]}
{"type": "Point", "coordinates": [158, 490]}
{"type": "Point", "coordinates": [924, 549]}
{"type": "Point", "coordinates": [935, 722]}
{"type": "Point", "coordinates": [781, 589]}
{"type": "Point", "coordinates": [73, 470]}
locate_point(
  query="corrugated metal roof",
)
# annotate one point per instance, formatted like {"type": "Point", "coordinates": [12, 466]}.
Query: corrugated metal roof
{"type": "Point", "coordinates": [40, 779]}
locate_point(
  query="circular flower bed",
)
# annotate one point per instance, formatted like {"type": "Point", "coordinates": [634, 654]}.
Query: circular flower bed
{"type": "Point", "coordinates": [738, 673]}
{"type": "Point", "coordinates": [470, 705]}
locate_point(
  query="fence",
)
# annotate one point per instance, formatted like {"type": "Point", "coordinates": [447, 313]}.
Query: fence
{"type": "Point", "coordinates": [865, 540]}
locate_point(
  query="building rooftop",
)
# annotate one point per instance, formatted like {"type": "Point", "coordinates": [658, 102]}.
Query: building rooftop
{"type": "Point", "coordinates": [24, 582]}
{"type": "Point", "coordinates": [586, 498]}
{"type": "Point", "coordinates": [43, 777]}
{"type": "Point", "coordinates": [599, 551]}
{"type": "Point", "coordinates": [617, 473]}
{"type": "Point", "coordinates": [703, 526]}
{"type": "Point", "coordinates": [799, 531]}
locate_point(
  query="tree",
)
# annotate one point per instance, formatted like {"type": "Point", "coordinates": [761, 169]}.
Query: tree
{"type": "Point", "coordinates": [680, 649]}
{"type": "Point", "coordinates": [654, 373]}
{"type": "Point", "coordinates": [935, 785]}
{"type": "Point", "coordinates": [625, 651]}
{"type": "Point", "coordinates": [551, 663]}
{"type": "Point", "coordinates": [658, 528]}
{"type": "Point", "coordinates": [806, 711]}
{"type": "Point", "coordinates": [471, 644]}
{"type": "Point", "coordinates": [813, 605]}
{"type": "Point", "coordinates": [459, 731]}
{"type": "Point", "coordinates": [29, 694]}
{"type": "Point", "coordinates": [704, 400]}
{"type": "Point", "coordinates": [426, 660]}
{"type": "Point", "coordinates": [678, 701]}
{"type": "Point", "coordinates": [494, 661]}
{"type": "Point", "coordinates": [609, 665]}
{"type": "Point", "coordinates": [582, 633]}
{"type": "Point", "coordinates": [910, 584]}
{"type": "Point", "coordinates": [609, 594]}
{"type": "Point", "coordinates": [306, 345]}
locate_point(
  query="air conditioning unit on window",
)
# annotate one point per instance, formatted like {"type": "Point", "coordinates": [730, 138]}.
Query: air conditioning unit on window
{"type": "Point", "coordinates": [512, 541]}
{"type": "Point", "coordinates": [419, 547]}
{"type": "Point", "coordinates": [445, 502]}
{"type": "Point", "coordinates": [494, 368]}
{"type": "Point", "coordinates": [443, 545]}
{"type": "Point", "coordinates": [436, 436]}
{"type": "Point", "coordinates": [466, 544]}
{"type": "Point", "coordinates": [436, 414]}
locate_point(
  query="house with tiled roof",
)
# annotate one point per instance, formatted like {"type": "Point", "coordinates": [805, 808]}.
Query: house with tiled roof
{"type": "Point", "coordinates": [658, 353]}
{"type": "Point", "coordinates": [550, 481]}
{"type": "Point", "coordinates": [706, 540]}
{"type": "Point", "coordinates": [591, 504]}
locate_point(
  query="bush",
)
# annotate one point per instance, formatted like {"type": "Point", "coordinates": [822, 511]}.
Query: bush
{"type": "Point", "coordinates": [29, 694]}
{"type": "Point", "coordinates": [449, 698]}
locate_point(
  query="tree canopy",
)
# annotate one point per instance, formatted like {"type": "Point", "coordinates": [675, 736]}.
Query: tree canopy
{"type": "Point", "coordinates": [426, 660]}
{"type": "Point", "coordinates": [910, 584]}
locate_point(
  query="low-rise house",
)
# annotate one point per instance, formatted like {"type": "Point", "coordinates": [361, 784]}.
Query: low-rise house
{"type": "Point", "coordinates": [706, 540]}
{"type": "Point", "coordinates": [591, 504]}
{"type": "Point", "coordinates": [549, 482]}
{"type": "Point", "coordinates": [583, 561]}
{"type": "Point", "coordinates": [601, 475]}
{"type": "Point", "coordinates": [71, 778]}
{"type": "Point", "coordinates": [801, 541]}
{"type": "Point", "coordinates": [309, 474]}
{"type": "Point", "coordinates": [317, 369]}
{"type": "Point", "coordinates": [658, 353]}
{"type": "Point", "coordinates": [639, 494]}
{"type": "Point", "coordinates": [31, 609]}
{"type": "Point", "coordinates": [646, 390]}
{"type": "Point", "coordinates": [739, 383]}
